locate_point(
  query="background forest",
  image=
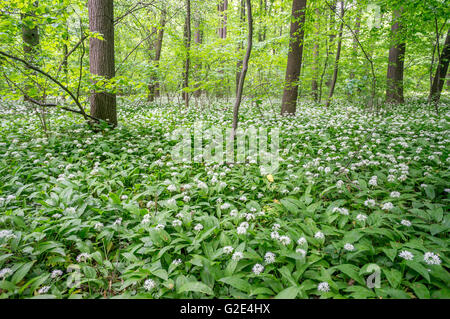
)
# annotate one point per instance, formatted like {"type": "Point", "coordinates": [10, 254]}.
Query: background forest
{"type": "Point", "coordinates": [93, 96]}
{"type": "Point", "coordinates": [151, 46]}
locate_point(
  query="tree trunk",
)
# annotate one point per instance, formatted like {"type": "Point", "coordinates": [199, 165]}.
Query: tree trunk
{"type": "Point", "coordinates": [154, 86]}
{"type": "Point", "coordinates": [294, 64]}
{"type": "Point", "coordinates": [441, 72]}
{"type": "Point", "coordinates": [198, 39]}
{"type": "Point", "coordinates": [240, 45]}
{"type": "Point", "coordinates": [355, 43]}
{"type": "Point", "coordinates": [332, 37]}
{"type": "Point", "coordinates": [65, 64]}
{"type": "Point", "coordinates": [244, 68]}
{"type": "Point", "coordinates": [30, 37]}
{"type": "Point", "coordinates": [336, 61]}
{"type": "Point", "coordinates": [222, 33]}
{"type": "Point", "coordinates": [262, 13]}
{"type": "Point", "coordinates": [187, 43]}
{"type": "Point", "coordinates": [222, 30]}
{"type": "Point", "coordinates": [394, 90]}
{"type": "Point", "coordinates": [315, 66]}
{"type": "Point", "coordinates": [101, 58]}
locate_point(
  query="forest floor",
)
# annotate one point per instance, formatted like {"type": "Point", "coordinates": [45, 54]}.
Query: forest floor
{"type": "Point", "coordinates": [357, 196]}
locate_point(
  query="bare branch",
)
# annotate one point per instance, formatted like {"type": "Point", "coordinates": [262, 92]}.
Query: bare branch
{"type": "Point", "coordinates": [64, 88]}
{"type": "Point", "coordinates": [43, 104]}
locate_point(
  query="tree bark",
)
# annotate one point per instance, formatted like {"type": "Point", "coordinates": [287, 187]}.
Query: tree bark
{"type": "Point", "coordinates": [315, 66]}
{"type": "Point", "coordinates": [30, 37]}
{"type": "Point", "coordinates": [262, 13]}
{"type": "Point", "coordinates": [101, 58]}
{"type": "Point", "coordinates": [222, 33]}
{"type": "Point", "coordinates": [294, 64]}
{"type": "Point", "coordinates": [187, 43]}
{"type": "Point", "coordinates": [222, 30]}
{"type": "Point", "coordinates": [244, 68]}
{"type": "Point", "coordinates": [355, 43]}
{"type": "Point", "coordinates": [154, 86]}
{"type": "Point", "coordinates": [198, 39]}
{"type": "Point", "coordinates": [65, 64]}
{"type": "Point", "coordinates": [336, 61]}
{"type": "Point", "coordinates": [332, 37]}
{"type": "Point", "coordinates": [441, 72]}
{"type": "Point", "coordinates": [394, 89]}
{"type": "Point", "coordinates": [240, 45]}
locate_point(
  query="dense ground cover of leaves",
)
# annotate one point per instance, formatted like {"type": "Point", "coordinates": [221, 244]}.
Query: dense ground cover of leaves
{"type": "Point", "coordinates": [109, 214]}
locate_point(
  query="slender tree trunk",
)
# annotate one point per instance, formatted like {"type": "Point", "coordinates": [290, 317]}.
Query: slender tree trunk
{"type": "Point", "coordinates": [222, 9]}
{"type": "Point", "coordinates": [244, 68]}
{"type": "Point", "coordinates": [240, 45]}
{"type": "Point", "coordinates": [351, 93]}
{"type": "Point", "coordinates": [222, 30]}
{"type": "Point", "coordinates": [336, 61]}
{"type": "Point", "coordinates": [154, 86]}
{"type": "Point", "coordinates": [198, 37]}
{"type": "Point", "coordinates": [315, 66]}
{"type": "Point", "coordinates": [332, 37]}
{"type": "Point", "coordinates": [355, 43]}
{"type": "Point", "coordinates": [394, 89]}
{"type": "Point", "coordinates": [262, 13]}
{"type": "Point", "coordinates": [441, 72]}
{"type": "Point", "coordinates": [448, 81]}
{"type": "Point", "coordinates": [294, 64]}
{"type": "Point", "coordinates": [101, 58]}
{"type": "Point", "coordinates": [324, 70]}
{"type": "Point", "coordinates": [187, 63]}
{"type": "Point", "coordinates": [65, 64]}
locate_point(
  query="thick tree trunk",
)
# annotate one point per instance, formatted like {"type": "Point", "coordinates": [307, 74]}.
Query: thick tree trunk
{"type": "Point", "coordinates": [154, 86]}
{"type": "Point", "coordinates": [294, 64]}
{"type": "Point", "coordinates": [394, 89]}
{"type": "Point", "coordinates": [187, 43]}
{"type": "Point", "coordinates": [244, 68]}
{"type": "Point", "coordinates": [441, 72]}
{"type": "Point", "coordinates": [101, 57]}
{"type": "Point", "coordinates": [30, 37]}
{"type": "Point", "coordinates": [315, 66]}
{"type": "Point", "coordinates": [336, 61]}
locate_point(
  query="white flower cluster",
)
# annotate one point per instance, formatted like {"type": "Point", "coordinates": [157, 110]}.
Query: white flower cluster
{"type": "Point", "coordinates": [269, 257]}
{"type": "Point", "coordinates": [431, 258]}
{"type": "Point", "coordinates": [341, 210]}
{"type": "Point", "coordinates": [323, 287]}
{"type": "Point", "coordinates": [228, 249]}
{"type": "Point", "coordinates": [7, 234]}
{"type": "Point", "coordinates": [5, 272]}
{"type": "Point", "coordinates": [406, 255]}
{"type": "Point", "coordinates": [198, 227]}
{"type": "Point", "coordinates": [149, 284]}
{"type": "Point", "coordinates": [257, 269]}
{"type": "Point", "coordinates": [83, 257]}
